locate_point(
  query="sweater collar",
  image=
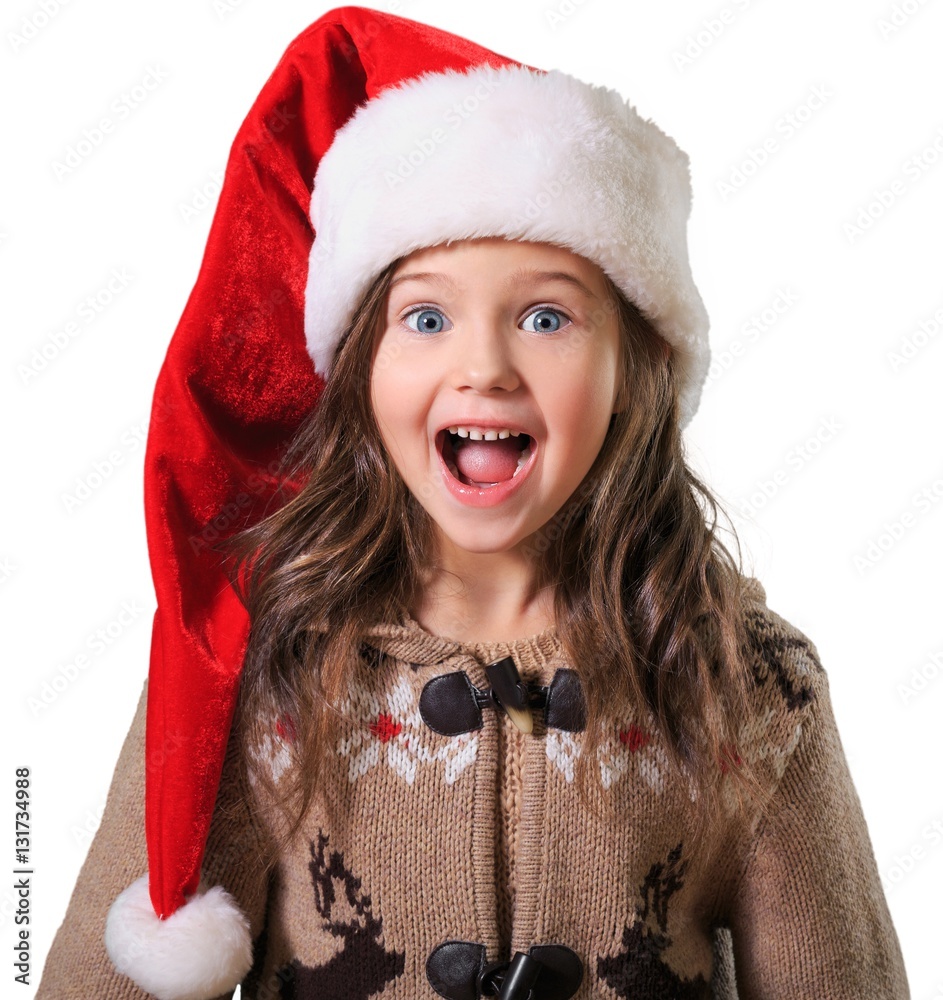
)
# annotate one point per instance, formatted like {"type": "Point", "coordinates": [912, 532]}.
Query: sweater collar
{"type": "Point", "coordinates": [408, 641]}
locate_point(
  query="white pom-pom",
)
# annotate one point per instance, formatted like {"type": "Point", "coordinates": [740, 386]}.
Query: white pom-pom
{"type": "Point", "coordinates": [197, 953]}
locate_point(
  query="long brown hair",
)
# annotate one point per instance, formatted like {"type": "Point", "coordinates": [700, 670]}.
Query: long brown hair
{"type": "Point", "coordinates": [644, 589]}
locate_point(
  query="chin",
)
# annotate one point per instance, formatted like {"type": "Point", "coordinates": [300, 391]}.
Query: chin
{"type": "Point", "coordinates": [480, 541]}
{"type": "Point", "coordinates": [481, 547]}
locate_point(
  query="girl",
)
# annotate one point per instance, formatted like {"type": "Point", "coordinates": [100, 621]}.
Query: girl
{"type": "Point", "coordinates": [508, 720]}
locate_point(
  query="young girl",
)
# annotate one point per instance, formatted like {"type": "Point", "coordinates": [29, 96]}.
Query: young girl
{"type": "Point", "coordinates": [502, 716]}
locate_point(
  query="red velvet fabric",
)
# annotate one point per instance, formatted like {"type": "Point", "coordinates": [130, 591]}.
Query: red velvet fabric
{"type": "Point", "coordinates": [235, 384]}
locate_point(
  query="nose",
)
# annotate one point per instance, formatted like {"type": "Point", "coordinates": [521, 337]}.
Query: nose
{"type": "Point", "coordinates": [483, 358]}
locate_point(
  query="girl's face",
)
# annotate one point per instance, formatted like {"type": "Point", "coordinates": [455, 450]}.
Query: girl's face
{"type": "Point", "coordinates": [493, 336]}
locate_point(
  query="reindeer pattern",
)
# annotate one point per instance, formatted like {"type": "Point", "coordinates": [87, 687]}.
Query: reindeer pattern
{"type": "Point", "coordinates": [363, 966]}
{"type": "Point", "coordinates": [639, 970]}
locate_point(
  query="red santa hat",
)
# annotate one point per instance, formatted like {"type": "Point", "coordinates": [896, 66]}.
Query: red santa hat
{"type": "Point", "coordinates": [375, 136]}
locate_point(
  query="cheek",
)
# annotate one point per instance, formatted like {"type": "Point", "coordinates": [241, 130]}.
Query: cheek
{"type": "Point", "coordinates": [386, 379]}
{"type": "Point", "coordinates": [579, 407]}
{"type": "Point", "coordinates": [583, 397]}
{"type": "Point", "coordinates": [383, 404]}
{"type": "Point", "coordinates": [398, 410]}
{"type": "Point", "coordinates": [401, 372]}
{"type": "Point", "coordinates": [388, 354]}
{"type": "Point", "coordinates": [378, 394]}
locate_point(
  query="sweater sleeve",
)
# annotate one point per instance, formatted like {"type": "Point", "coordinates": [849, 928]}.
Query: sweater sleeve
{"type": "Point", "coordinates": [810, 918]}
{"type": "Point", "coordinates": [77, 966]}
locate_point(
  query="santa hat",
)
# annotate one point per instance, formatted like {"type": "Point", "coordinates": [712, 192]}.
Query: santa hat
{"type": "Point", "coordinates": [388, 136]}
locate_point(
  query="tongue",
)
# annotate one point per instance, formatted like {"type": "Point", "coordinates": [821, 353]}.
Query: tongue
{"type": "Point", "coordinates": [488, 461]}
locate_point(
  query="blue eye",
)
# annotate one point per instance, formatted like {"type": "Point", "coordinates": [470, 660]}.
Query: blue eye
{"type": "Point", "coordinates": [426, 320]}
{"type": "Point", "coordinates": [545, 321]}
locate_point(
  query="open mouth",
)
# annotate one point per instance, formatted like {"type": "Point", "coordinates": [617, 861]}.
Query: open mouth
{"type": "Point", "coordinates": [484, 463]}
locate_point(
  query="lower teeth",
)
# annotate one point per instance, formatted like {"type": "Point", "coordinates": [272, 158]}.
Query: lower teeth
{"type": "Point", "coordinates": [522, 461]}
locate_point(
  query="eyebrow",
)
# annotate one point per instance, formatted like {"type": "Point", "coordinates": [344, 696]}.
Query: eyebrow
{"type": "Point", "coordinates": [516, 276]}
{"type": "Point", "coordinates": [438, 279]}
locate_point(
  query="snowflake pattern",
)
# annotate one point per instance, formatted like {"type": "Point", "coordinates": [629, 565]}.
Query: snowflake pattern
{"type": "Point", "coordinates": [635, 752]}
{"type": "Point", "coordinates": [273, 751]}
{"type": "Point", "coordinates": [563, 750]}
{"type": "Point", "coordinates": [388, 727]}
{"type": "Point", "coordinates": [633, 749]}
{"type": "Point", "coordinates": [757, 742]}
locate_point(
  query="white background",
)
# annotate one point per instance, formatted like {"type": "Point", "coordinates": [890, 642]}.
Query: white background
{"type": "Point", "coordinates": [819, 444]}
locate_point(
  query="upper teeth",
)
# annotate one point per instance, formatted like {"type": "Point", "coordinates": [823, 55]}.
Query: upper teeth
{"type": "Point", "coordinates": [483, 434]}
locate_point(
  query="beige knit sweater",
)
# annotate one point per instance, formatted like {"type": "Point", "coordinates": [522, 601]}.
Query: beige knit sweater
{"type": "Point", "coordinates": [452, 852]}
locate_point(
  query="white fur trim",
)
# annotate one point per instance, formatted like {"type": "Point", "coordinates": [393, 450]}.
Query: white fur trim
{"type": "Point", "coordinates": [199, 952]}
{"type": "Point", "coordinates": [506, 152]}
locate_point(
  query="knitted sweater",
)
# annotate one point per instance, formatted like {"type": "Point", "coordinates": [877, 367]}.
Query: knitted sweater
{"type": "Point", "coordinates": [460, 841]}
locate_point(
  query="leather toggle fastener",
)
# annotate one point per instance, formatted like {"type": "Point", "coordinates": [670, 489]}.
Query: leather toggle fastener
{"type": "Point", "coordinates": [512, 980]}
{"type": "Point", "coordinates": [457, 970]}
{"type": "Point", "coordinates": [450, 704]}
{"type": "Point", "coordinates": [510, 693]}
